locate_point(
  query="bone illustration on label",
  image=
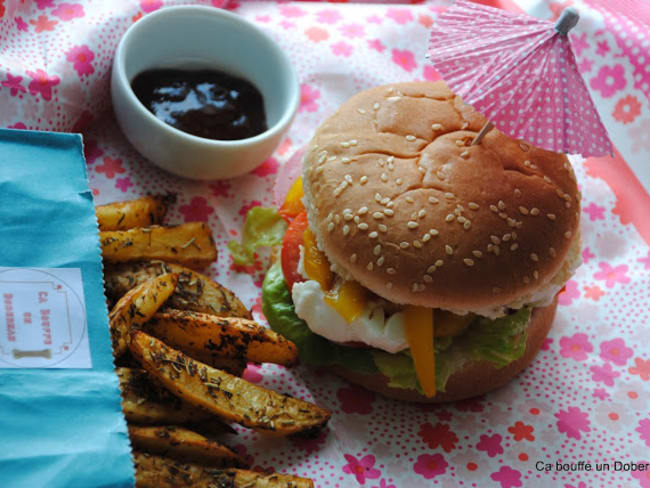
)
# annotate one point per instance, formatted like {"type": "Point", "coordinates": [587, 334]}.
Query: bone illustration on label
{"type": "Point", "coordinates": [42, 353]}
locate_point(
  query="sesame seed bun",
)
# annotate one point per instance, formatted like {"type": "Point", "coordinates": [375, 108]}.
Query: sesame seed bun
{"type": "Point", "coordinates": [475, 378]}
{"type": "Point", "coordinates": [400, 202]}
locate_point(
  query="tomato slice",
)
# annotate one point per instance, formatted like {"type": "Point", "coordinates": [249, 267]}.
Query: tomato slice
{"type": "Point", "coordinates": [290, 252]}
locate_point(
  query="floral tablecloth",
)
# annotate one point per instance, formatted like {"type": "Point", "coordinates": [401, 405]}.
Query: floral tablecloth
{"type": "Point", "coordinates": [586, 398]}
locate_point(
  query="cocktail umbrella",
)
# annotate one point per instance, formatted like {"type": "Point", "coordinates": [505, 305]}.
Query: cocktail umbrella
{"type": "Point", "coordinates": [521, 74]}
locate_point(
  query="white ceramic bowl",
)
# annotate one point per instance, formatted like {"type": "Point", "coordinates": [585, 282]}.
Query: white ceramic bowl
{"type": "Point", "coordinates": [202, 37]}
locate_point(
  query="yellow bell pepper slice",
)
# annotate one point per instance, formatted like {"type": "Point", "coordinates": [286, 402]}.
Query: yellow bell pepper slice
{"type": "Point", "coordinates": [348, 299]}
{"type": "Point", "coordinates": [292, 204]}
{"type": "Point", "coordinates": [315, 262]}
{"type": "Point", "coordinates": [418, 322]}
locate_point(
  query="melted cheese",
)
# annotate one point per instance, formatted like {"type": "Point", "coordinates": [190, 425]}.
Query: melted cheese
{"type": "Point", "coordinates": [419, 326]}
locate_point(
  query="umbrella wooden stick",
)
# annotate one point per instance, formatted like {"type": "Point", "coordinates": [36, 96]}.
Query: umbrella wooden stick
{"type": "Point", "coordinates": [487, 127]}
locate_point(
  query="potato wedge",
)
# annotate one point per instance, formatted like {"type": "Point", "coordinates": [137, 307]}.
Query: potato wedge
{"type": "Point", "coordinates": [153, 471]}
{"type": "Point", "coordinates": [183, 444]}
{"type": "Point", "coordinates": [227, 396]}
{"type": "Point", "coordinates": [194, 291]}
{"type": "Point", "coordinates": [204, 336]}
{"type": "Point", "coordinates": [144, 402]}
{"type": "Point", "coordinates": [142, 212]}
{"type": "Point", "coordinates": [138, 306]}
{"type": "Point", "coordinates": [188, 244]}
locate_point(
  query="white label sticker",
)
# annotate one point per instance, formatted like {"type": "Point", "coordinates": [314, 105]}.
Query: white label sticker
{"type": "Point", "coordinates": [43, 319]}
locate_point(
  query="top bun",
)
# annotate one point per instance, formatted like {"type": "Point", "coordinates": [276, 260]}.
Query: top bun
{"type": "Point", "coordinates": [400, 201]}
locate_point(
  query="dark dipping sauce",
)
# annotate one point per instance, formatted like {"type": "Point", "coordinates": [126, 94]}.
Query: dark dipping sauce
{"type": "Point", "coordinates": [205, 103]}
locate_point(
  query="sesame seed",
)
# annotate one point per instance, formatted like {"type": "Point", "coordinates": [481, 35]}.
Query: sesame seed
{"type": "Point", "coordinates": [534, 257]}
{"type": "Point", "coordinates": [377, 250]}
{"type": "Point", "coordinates": [381, 162]}
{"type": "Point", "coordinates": [422, 213]}
{"type": "Point", "coordinates": [417, 244]}
{"type": "Point", "coordinates": [356, 219]}
{"type": "Point", "coordinates": [382, 228]}
{"type": "Point", "coordinates": [353, 258]}
{"type": "Point", "coordinates": [461, 219]}
{"type": "Point", "coordinates": [380, 261]}
{"type": "Point", "coordinates": [433, 200]}
{"type": "Point", "coordinates": [567, 204]}
{"type": "Point", "coordinates": [390, 271]}
{"type": "Point", "coordinates": [523, 210]}
{"type": "Point", "coordinates": [370, 266]}
{"type": "Point", "coordinates": [330, 227]}
{"type": "Point", "coordinates": [457, 211]}
{"type": "Point", "coordinates": [439, 263]}
{"type": "Point", "coordinates": [377, 197]}
{"type": "Point", "coordinates": [506, 237]}
{"type": "Point", "coordinates": [329, 216]}
{"type": "Point", "coordinates": [536, 274]}
{"type": "Point", "coordinates": [426, 237]}
{"type": "Point", "coordinates": [409, 200]}
{"type": "Point", "coordinates": [552, 252]}
{"type": "Point", "coordinates": [345, 144]}
{"type": "Point", "coordinates": [464, 154]}
{"type": "Point", "coordinates": [460, 142]}
{"type": "Point", "coordinates": [473, 206]}
{"type": "Point", "coordinates": [363, 226]}
{"type": "Point", "coordinates": [495, 239]}
{"type": "Point", "coordinates": [467, 224]}
{"type": "Point", "coordinates": [414, 288]}
{"type": "Point", "coordinates": [534, 211]}
{"type": "Point", "coordinates": [517, 192]}
{"type": "Point", "coordinates": [376, 106]}
{"type": "Point", "coordinates": [385, 200]}
{"type": "Point", "coordinates": [412, 224]}
{"type": "Point", "coordinates": [353, 142]}
{"type": "Point", "coordinates": [559, 192]}
{"type": "Point", "coordinates": [526, 163]}
{"type": "Point", "coordinates": [345, 160]}
{"type": "Point", "coordinates": [390, 159]}
{"type": "Point", "coordinates": [347, 217]}
{"type": "Point", "coordinates": [332, 158]}
{"type": "Point", "coordinates": [551, 216]}
{"type": "Point", "coordinates": [398, 181]}
{"type": "Point", "coordinates": [427, 279]}
{"type": "Point", "coordinates": [431, 268]}
{"type": "Point", "coordinates": [378, 215]}
{"type": "Point", "coordinates": [348, 178]}
{"type": "Point", "coordinates": [373, 234]}
{"type": "Point", "coordinates": [512, 222]}
{"type": "Point", "coordinates": [337, 218]}
{"type": "Point", "coordinates": [422, 169]}
{"type": "Point", "coordinates": [503, 215]}
{"type": "Point", "coordinates": [363, 180]}
{"type": "Point", "coordinates": [390, 204]}
{"type": "Point", "coordinates": [568, 234]}
{"type": "Point", "coordinates": [448, 249]}
{"type": "Point", "coordinates": [436, 127]}
{"type": "Point", "coordinates": [389, 212]}
{"type": "Point", "coordinates": [433, 232]}
{"type": "Point", "coordinates": [477, 253]}
{"type": "Point", "coordinates": [404, 244]}
{"type": "Point", "coordinates": [468, 261]}
{"type": "Point", "coordinates": [346, 230]}
{"type": "Point", "coordinates": [526, 279]}
{"type": "Point", "coordinates": [384, 177]}
{"type": "Point", "coordinates": [389, 285]}
{"type": "Point", "coordinates": [514, 247]}
{"type": "Point", "coordinates": [547, 179]}
{"type": "Point", "coordinates": [393, 99]}
{"type": "Point", "coordinates": [449, 217]}
{"type": "Point", "coordinates": [361, 111]}
{"type": "Point", "coordinates": [449, 195]}
{"type": "Point", "coordinates": [494, 208]}
{"type": "Point", "coordinates": [363, 210]}
{"type": "Point", "coordinates": [464, 125]}
{"type": "Point", "coordinates": [524, 147]}
{"type": "Point", "coordinates": [496, 250]}
{"type": "Point", "coordinates": [501, 205]}
{"type": "Point", "coordinates": [410, 137]}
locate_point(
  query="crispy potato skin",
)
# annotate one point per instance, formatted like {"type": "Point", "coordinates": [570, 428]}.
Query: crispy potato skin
{"type": "Point", "coordinates": [137, 307]}
{"type": "Point", "coordinates": [184, 445]}
{"type": "Point", "coordinates": [189, 244]}
{"type": "Point", "coordinates": [142, 212]}
{"type": "Point", "coordinates": [229, 397]}
{"type": "Point", "coordinates": [153, 471]}
{"type": "Point", "coordinates": [205, 336]}
{"type": "Point", "coordinates": [194, 291]}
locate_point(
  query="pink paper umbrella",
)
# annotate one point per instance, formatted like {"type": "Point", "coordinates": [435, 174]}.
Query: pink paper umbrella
{"type": "Point", "coordinates": [521, 74]}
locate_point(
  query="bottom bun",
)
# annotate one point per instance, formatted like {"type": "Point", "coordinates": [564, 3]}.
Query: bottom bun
{"type": "Point", "coordinates": [475, 378]}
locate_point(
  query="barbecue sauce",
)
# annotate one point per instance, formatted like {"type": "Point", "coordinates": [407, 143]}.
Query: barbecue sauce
{"type": "Point", "coordinates": [205, 103]}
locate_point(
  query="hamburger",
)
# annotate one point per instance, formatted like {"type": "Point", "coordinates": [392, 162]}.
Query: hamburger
{"type": "Point", "coordinates": [416, 264]}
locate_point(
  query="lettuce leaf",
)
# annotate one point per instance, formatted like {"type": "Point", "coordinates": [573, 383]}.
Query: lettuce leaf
{"type": "Point", "coordinates": [499, 341]}
{"type": "Point", "coordinates": [263, 227]}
